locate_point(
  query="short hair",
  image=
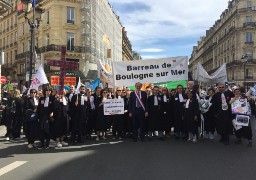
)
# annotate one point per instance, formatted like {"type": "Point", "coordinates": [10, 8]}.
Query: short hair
{"type": "Point", "coordinates": [138, 83]}
{"type": "Point", "coordinates": [179, 85]}
{"type": "Point", "coordinates": [211, 89]}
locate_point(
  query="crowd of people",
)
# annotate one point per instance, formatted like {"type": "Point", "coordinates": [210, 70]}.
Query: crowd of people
{"type": "Point", "coordinates": [156, 113]}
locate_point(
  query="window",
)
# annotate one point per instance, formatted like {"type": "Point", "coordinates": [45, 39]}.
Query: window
{"type": "Point", "coordinates": [249, 5]}
{"type": "Point", "coordinates": [249, 54]}
{"type": "Point", "coordinates": [47, 40]}
{"type": "Point", "coordinates": [248, 19]}
{"type": "Point", "coordinates": [7, 40]}
{"type": "Point", "coordinates": [70, 41]}
{"type": "Point", "coordinates": [16, 36]}
{"type": "Point", "coordinates": [249, 37]}
{"type": "Point", "coordinates": [22, 68]}
{"type": "Point", "coordinates": [47, 17]}
{"type": "Point", "coordinates": [70, 15]}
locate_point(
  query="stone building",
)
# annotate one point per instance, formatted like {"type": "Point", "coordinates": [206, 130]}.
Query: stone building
{"type": "Point", "coordinates": [230, 40]}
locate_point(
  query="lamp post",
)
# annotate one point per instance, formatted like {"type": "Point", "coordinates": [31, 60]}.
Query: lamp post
{"type": "Point", "coordinates": [33, 24]}
{"type": "Point", "coordinates": [245, 60]}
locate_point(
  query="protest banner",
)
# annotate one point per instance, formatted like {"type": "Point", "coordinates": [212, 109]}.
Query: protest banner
{"type": "Point", "coordinates": [113, 106]}
{"type": "Point", "coordinates": [150, 71]}
{"type": "Point", "coordinates": [219, 76]}
{"type": "Point", "coordinates": [241, 106]}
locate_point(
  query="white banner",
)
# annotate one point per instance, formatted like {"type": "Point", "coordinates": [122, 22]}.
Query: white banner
{"type": "Point", "coordinates": [219, 76]}
{"type": "Point", "coordinates": [39, 79]}
{"type": "Point", "coordinates": [113, 106]}
{"type": "Point", "coordinates": [106, 76]}
{"type": "Point", "coordinates": [150, 71]}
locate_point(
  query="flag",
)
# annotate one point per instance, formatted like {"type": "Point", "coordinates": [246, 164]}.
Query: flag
{"type": "Point", "coordinates": [39, 79]}
{"type": "Point", "coordinates": [93, 84]}
{"type": "Point", "coordinates": [78, 86]}
{"type": "Point", "coordinates": [33, 3]}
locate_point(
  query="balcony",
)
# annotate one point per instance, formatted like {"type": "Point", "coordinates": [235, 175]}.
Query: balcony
{"type": "Point", "coordinates": [76, 49]}
{"type": "Point", "coordinates": [70, 21]}
{"type": "Point", "coordinates": [249, 24]}
{"type": "Point", "coordinates": [249, 77]}
{"type": "Point", "coordinates": [240, 62]}
{"type": "Point", "coordinates": [249, 43]}
{"type": "Point", "coordinates": [5, 5]}
{"type": "Point", "coordinates": [248, 9]}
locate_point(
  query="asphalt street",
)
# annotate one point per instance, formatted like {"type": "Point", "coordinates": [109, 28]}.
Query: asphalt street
{"type": "Point", "coordinates": [128, 160]}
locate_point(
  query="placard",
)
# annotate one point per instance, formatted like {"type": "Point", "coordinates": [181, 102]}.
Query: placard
{"type": "Point", "coordinates": [113, 106]}
{"type": "Point", "coordinates": [242, 120]}
{"type": "Point", "coordinates": [241, 106]}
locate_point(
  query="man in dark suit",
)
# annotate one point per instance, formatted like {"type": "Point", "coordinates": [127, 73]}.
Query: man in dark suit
{"type": "Point", "coordinates": [138, 109]}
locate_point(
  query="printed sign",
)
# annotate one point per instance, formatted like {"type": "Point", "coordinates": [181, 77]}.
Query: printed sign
{"type": "Point", "coordinates": [150, 71]}
{"type": "Point", "coordinates": [113, 106]}
{"type": "Point", "coordinates": [241, 106]}
{"type": "Point", "coordinates": [55, 81]}
{"type": "Point", "coordinates": [242, 120]}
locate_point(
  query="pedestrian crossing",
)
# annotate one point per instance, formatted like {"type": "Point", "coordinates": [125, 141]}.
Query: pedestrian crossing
{"type": "Point", "coordinates": [11, 167]}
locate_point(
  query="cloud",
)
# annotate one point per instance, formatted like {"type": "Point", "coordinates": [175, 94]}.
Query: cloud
{"type": "Point", "coordinates": [152, 50]}
{"type": "Point", "coordinates": [172, 25]}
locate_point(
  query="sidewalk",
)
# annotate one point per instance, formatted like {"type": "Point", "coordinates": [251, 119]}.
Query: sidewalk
{"type": "Point", "coordinates": [2, 130]}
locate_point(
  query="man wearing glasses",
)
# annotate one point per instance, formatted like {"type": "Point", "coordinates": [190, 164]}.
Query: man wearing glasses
{"type": "Point", "coordinates": [222, 111]}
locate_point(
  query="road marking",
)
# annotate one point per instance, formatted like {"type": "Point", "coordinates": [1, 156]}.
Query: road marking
{"type": "Point", "coordinates": [11, 167]}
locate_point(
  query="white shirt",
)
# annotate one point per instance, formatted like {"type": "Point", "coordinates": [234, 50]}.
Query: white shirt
{"type": "Point", "coordinates": [82, 99]}
{"type": "Point", "coordinates": [165, 98]}
{"type": "Point", "coordinates": [155, 101]}
{"type": "Point", "coordinates": [181, 98]}
{"type": "Point", "coordinates": [46, 102]}
{"type": "Point", "coordinates": [64, 101]}
{"type": "Point", "coordinates": [35, 101]}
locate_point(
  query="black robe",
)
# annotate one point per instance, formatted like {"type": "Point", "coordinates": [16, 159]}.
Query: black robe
{"type": "Point", "coordinates": [178, 113]}
{"type": "Point", "coordinates": [156, 122]}
{"type": "Point", "coordinates": [18, 117]}
{"type": "Point", "coordinates": [60, 118]}
{"type": "Point", "coordinates": [190, 124]}
{"type": "Point", "coordinates": [223, 120]}
{"type": "Point", "coordinates": [78, 114]}
{"type": "Point", "coordinates": [167, 112]}
{"type": "Point", "coordinates": [32, 125]}
{"type": "Point", "coordinates": [44, 115]}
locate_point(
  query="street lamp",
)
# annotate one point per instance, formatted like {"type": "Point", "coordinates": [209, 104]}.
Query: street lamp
{"type": "Point", "coordinates": [33, 24]}
{"type": "Point", "coordinates": [245, 60]}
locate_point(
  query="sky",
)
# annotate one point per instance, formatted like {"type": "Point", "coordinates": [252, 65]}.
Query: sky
{"type": "Point", "coordinates": [167, 28]}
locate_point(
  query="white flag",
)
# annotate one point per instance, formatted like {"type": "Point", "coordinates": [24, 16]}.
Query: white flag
{"type": "Point", "coordinates": [39, 79]}
{"type": "Point", "coordinates": [78, 86]}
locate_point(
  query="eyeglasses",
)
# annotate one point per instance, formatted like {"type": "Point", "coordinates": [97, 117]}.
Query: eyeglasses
{"type": "Point", "coordinates": [118, 90]}
{"type": "Point", "coordinates": [105, 92]}
{"type": "Point", "coordinates": [32, 92]}
{"type": "Point", "coordinates": [221, 87]}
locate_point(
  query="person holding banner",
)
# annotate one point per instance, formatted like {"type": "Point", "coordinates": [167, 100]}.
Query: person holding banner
{"type": "Point", "coordinates": [138, 110]}
{"type": "Point", "coordinates": [155, 114]}
{"type": "Point", "coordinates": [179, 101]}
{"type": "Point", "coordinates": [222, 112]}
{"type": "Point", "coordinates": [102, 120]}
{"type": "Point", "coordinates": [118, 119]}
{"type": "Point", "coordinates": [241, 130]}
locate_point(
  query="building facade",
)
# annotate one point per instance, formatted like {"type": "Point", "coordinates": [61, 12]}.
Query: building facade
{"type": "Point", "coordinates": [89, 28]}
{"type": "Point", "coordinates": [8, 37]}
{"type": "Point", "coordinates": [126, 47]}
{"type": "Point", "coordinates": [230, 40]}
{"type": "Point", "coordinates": [101, 34]}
